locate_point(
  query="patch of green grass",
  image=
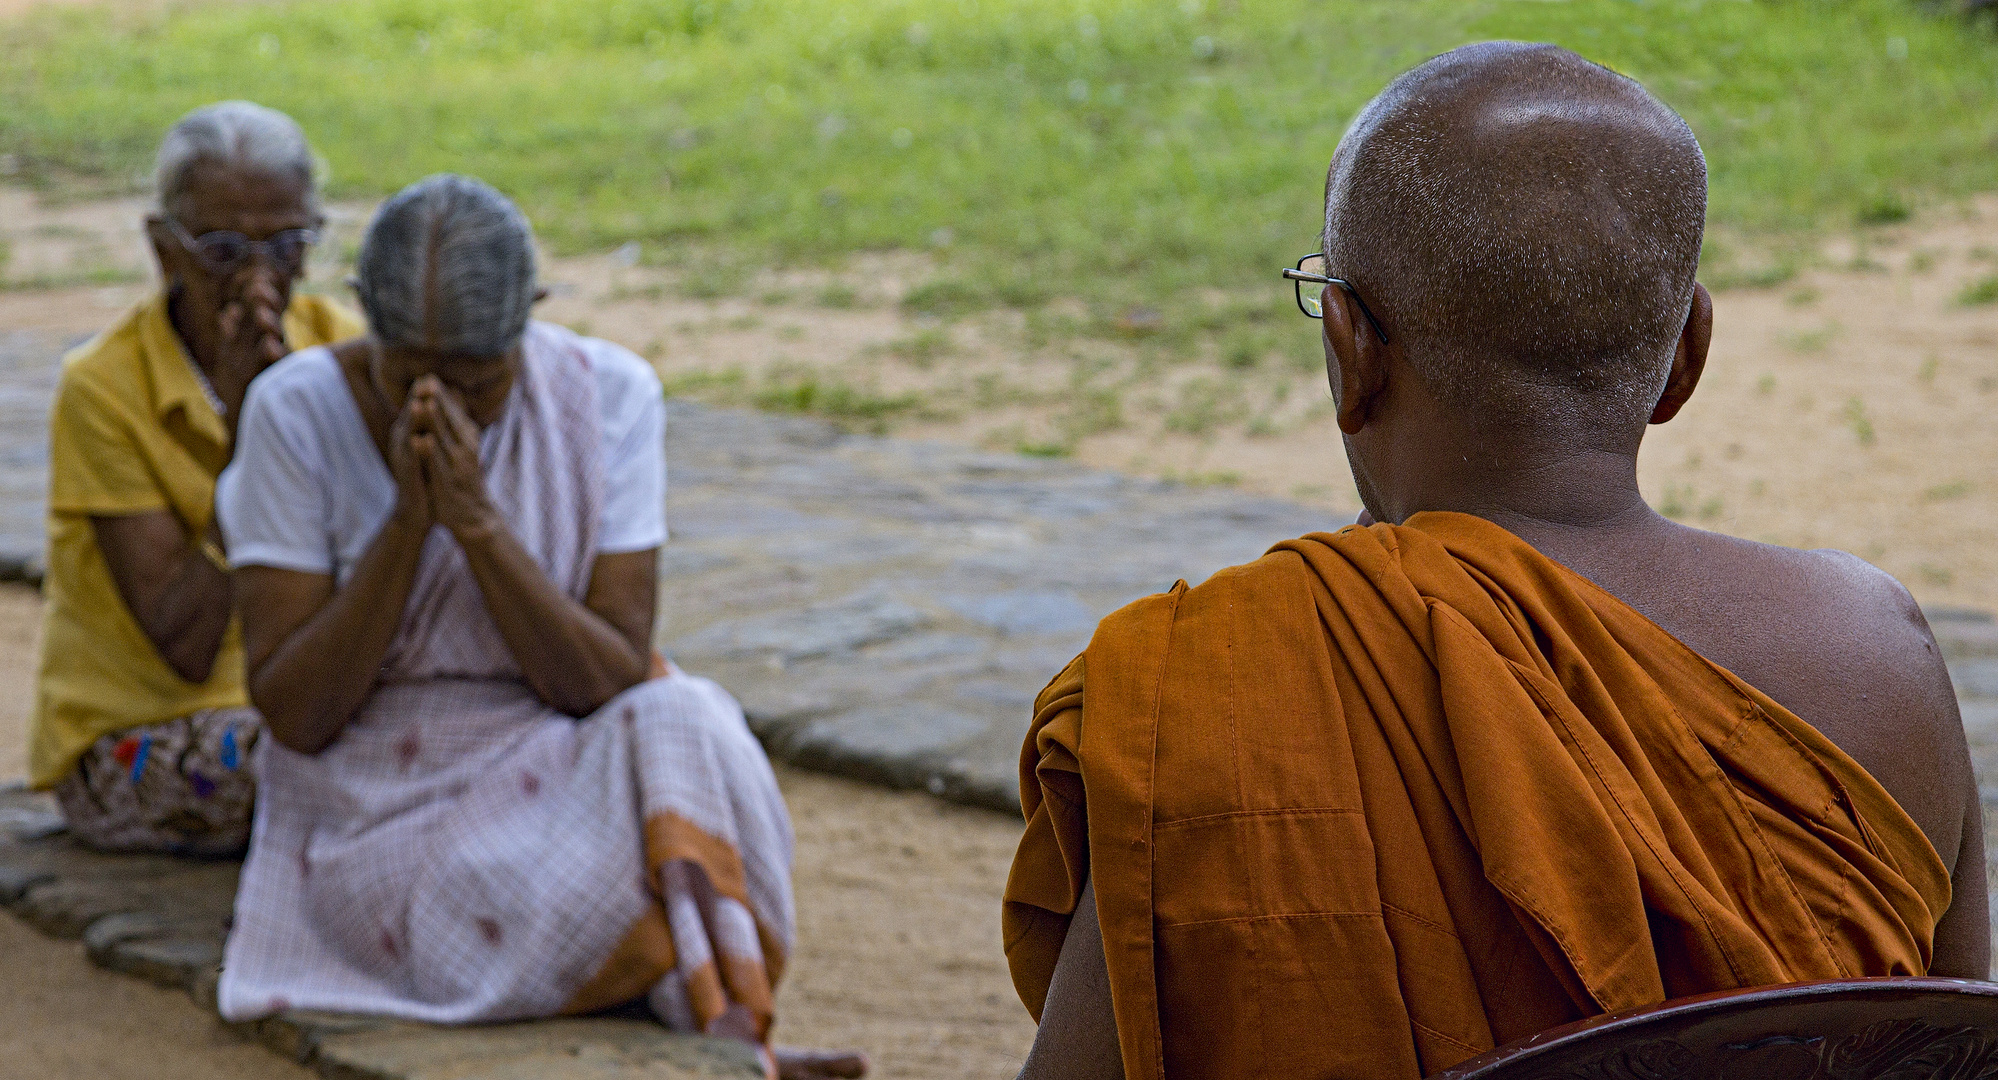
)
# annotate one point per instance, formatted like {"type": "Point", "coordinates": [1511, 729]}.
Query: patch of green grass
{"type": "Point", "coordinates": [1205, 404]}
{"type": "Point", "coordinates": [1955, 489]}
{"type": "Point", "coordinates": [923, 348]}
{"type": "Point", "coordinates": [1980, 292]}
{"type": "Point", "coordinates": [838, 296]}
{"type": "Point", "coordinates": [835, 400]}
{"type": "Point", "coordinates": [954, 297]}
{"type": "Point", "coordinates": [709, 280]}
{"type": "Point", "coordinates": [1682, 501]}
{"type": "Point", "coordinates": [991, 390]}
{"type": "Point", "coordinates": [1728, 276]}
{"type": "Point", "coordinates": [946, 298]}
{"type": "Point", "coordinates": [1861, 424]}
{"type": "Point", "coordinates": [1117, 150]}
{"type": "Point", "coordinates": [1245, 347]}
{"type": "Point", "coordinates": [726, 382]}
{"type": "Point", "coordinates": [1044, 449]}
{"type": "Point", "coordinates": [1677, 503]}
{"type": "Point", "coordinates": [1091, 411]}
{"type": "Point", "coordinates": [1810, 341]}
{"type": "Point", "coordinates": [1883, 209]}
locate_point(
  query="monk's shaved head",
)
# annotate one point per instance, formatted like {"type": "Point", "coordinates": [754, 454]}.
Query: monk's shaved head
{"type": "Point", "coordinates": [1527, 225]}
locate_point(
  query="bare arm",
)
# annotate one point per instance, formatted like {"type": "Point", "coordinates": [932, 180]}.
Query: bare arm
{"type": "Point", "coordinates": [1078, 1035]}
{"type": "Point", "coordinates": [313, 651]}
{"type": "Point", "coordinates": [179, 597]}
{"type": "Point", "coordinates": [576, 656]}
{"type": "Point", "coordinates": [1963, 935]}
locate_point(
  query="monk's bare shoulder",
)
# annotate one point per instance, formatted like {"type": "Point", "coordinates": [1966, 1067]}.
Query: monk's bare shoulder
{"type": "Point", "coordinates": [1784, 610]}
{"type": "Point", "coordinates": [1840, 643]}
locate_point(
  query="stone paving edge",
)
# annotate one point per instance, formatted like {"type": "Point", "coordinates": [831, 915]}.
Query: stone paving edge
{"type": "Point", "coordinates": [162, 920]}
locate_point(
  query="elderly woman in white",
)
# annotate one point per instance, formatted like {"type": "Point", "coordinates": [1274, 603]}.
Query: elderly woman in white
{"type": "Point", "coordinates": [484, 809]}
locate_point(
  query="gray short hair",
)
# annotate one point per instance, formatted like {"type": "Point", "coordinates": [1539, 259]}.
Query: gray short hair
{"type": "Point", "coordinates": [448, 264]}
{"type": "Point", "coordinates": [228, 132]}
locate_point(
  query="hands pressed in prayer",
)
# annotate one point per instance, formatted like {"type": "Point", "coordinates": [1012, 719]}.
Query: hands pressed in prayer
{"type": "Point", "coordinates": [405, 460]}
{"type": "Point", "coordinates": [436, 444]}
{"type": "Point", "coordinates": [252, 326]}
{"type": "Point", "coordinates": [315, 649]}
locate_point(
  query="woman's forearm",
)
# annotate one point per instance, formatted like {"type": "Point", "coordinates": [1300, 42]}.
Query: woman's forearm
{"type": "Point", "coordinates": [573, 658]}
{"type": "Point", "coordinates": [312, 684]}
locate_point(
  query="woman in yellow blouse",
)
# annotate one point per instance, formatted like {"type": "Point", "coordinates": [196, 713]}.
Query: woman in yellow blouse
{"type": "Point", "coordinates": [142, 726]}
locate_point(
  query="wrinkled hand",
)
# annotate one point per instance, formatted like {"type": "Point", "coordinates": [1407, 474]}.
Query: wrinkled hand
{"type": "Point", "coordinates": [252, 326]}
{"type": "Point", "coordinates": [410, 442]}
{"type": "Point", "coordinates": [451, 462]}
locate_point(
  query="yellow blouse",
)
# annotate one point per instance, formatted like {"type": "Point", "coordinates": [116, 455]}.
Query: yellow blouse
{"type": "Point", "coordinates": [132, 430]}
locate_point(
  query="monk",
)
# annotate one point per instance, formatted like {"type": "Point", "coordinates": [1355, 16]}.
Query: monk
{"type": "Point", "coordinates": [1514, 750]}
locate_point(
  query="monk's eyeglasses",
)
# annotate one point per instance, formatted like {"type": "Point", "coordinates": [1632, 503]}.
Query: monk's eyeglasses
{"type": "Point", "coordinates": [223, 252]}
{"type": "Point", "coordinates": [1311, 268]}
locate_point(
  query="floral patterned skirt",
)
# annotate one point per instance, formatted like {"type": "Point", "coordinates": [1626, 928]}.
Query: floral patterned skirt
{"type": "Point", "coordinates": [184, 787]}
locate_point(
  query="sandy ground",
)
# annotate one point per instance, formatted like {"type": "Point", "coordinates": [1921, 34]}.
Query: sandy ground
{"type": "Point", "coordinates": [898, 951]}
{"type": "Point", "coordinates": [60, 1017]}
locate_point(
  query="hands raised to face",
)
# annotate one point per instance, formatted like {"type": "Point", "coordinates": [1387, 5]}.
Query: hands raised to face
{"type": "Point", "coordinates": [434, 456]}
{"type": "Point", "coordinates": [252, 337]}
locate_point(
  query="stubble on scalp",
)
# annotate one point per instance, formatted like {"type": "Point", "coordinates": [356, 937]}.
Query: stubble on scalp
{"type": "Point", "coordinates": [1528, 223]}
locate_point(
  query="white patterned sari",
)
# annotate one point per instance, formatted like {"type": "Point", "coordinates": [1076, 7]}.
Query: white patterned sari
{"type": "Point", "coordinates": [464, 852]}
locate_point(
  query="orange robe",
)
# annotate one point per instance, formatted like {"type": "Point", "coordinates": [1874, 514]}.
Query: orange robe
{"type": "Point", "coordinates": [1382, 800]}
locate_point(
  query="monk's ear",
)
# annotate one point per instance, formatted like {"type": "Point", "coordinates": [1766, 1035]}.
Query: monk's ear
{"type": "Point", "coordinates": [1356, 363]}
{"type": "Point", "coordinates": [1689, 361]}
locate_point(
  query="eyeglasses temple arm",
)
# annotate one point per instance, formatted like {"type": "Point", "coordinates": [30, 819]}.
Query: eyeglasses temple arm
{"type": "Point", "coordinates": [1347, 288]}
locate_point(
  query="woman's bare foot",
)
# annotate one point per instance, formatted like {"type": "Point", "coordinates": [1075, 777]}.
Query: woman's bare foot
{"type": "Point", "coordinates": [798, 1063]}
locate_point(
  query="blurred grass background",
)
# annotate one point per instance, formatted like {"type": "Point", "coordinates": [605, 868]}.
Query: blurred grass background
{"type": "Point", "coordinates": [1111, 150]}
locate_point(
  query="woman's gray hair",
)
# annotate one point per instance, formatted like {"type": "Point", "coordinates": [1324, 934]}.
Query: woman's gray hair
{"type": "Point", "coordinates": [448, 265]}
{"type": "Point", "coordinates": [230, 133]}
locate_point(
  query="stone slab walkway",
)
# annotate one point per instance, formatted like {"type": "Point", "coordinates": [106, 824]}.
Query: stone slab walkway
{"type": "Point", "coordinates": [883, 609]}
{"type": "Point", "coordinates": [889, 609]}
{"type": "Point", "coordinates": [164, 920]}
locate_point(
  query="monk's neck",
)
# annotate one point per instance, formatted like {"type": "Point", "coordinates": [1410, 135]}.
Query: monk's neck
{"type": "Point", "coordinates": [1550, 493]}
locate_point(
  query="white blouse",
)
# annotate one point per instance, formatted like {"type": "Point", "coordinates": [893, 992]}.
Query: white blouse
{"type": "Point", "coordinates": [308, 491]}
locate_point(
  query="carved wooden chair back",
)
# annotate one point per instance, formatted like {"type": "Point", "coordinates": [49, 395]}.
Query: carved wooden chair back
{"type": "Point", "coordinates": [1856, 1029]}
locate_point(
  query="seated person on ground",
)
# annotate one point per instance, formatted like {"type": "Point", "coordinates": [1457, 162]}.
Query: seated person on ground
{"type": "Point", "coordinates": [141, 723]}
{"type": "Point", "coordinates": [475, 805]}
{"type": "Point", "coordinates": [1515, 750]}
